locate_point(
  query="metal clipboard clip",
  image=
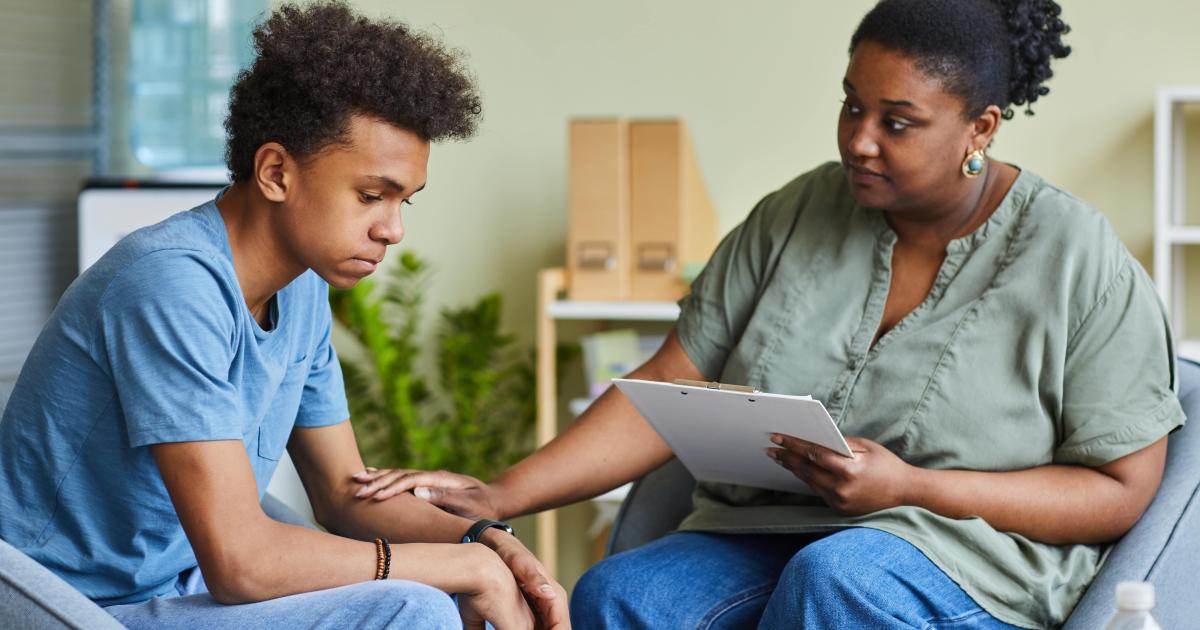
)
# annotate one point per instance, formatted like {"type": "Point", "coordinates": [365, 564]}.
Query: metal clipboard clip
{"type": "Point", "coordinates": [745, 389]}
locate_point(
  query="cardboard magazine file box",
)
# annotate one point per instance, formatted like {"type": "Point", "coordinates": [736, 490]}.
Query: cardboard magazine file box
{"type": "Point", "coordinates": [598, 241]}
{"type": "Point", "coordinates": [672, 221]}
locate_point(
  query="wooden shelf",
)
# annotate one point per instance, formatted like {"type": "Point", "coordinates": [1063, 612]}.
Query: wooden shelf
{"type": "Point", "coordinates": [552, 309]}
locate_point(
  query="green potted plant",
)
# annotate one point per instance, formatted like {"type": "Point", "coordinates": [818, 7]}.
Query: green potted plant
{"type": "Point", "coordinates": [476, 416]}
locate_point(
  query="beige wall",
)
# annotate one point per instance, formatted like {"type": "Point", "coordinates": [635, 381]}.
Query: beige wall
{"type": "Point", "coordinates": [758, 83]}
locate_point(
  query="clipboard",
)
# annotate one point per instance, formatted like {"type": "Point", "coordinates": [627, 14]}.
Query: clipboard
{"type": "Point", "coordinates": [721, 432]}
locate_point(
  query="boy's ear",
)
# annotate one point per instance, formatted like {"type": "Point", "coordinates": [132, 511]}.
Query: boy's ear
{"type": "Point", "coordinates": [271, 165]}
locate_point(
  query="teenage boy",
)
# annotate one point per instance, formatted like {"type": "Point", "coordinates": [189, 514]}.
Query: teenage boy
{"type": "Point", "coordinates": [156, 403]}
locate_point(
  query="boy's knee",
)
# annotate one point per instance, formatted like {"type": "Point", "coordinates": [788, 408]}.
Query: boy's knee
{"type": "Point", "coordinates": [403, 604]}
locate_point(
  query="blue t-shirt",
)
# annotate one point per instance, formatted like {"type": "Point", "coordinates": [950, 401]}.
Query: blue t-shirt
{"type": "Point", "coordinates": [153, 344]}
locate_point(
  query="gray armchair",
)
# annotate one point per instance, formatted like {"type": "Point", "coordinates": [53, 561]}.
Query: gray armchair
{"type": "Point", "coordinates": [33, 597]}
{"type": "Point", "coordinates": [1163, 547]}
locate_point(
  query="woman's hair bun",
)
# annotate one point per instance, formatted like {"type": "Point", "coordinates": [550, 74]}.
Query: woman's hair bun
{"type": "Point", "coordinates": [1035, 30]}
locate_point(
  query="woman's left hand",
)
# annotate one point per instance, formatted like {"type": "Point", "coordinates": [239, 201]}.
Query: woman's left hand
{"type": "Point", "coordinates": [874, 479]}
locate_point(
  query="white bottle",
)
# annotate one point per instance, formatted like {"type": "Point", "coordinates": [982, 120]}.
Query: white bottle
{"type": "Point", "coordinates": [1134, 601]}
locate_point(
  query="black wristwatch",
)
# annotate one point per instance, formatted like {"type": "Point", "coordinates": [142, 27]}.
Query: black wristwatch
{"type": "Point", "coordinates": [481, 526]}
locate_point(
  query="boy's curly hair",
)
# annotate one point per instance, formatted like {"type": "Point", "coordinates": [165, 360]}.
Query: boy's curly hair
{"type": "Point", "coordinates": [318, 65]}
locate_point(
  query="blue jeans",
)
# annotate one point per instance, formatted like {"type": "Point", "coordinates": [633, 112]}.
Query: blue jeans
{"type": "Point", "coordinates": [391, 604]}
{"type": "Point", "coordinates": [856, 578]}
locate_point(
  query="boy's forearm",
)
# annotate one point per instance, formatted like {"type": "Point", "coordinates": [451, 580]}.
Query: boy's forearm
{"type": "Point", "coordinates": [276, 560]}
{"type": "Point", "coordinates": [401, 519]}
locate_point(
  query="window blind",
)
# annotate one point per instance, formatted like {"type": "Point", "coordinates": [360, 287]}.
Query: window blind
{"type": "Point", "coordinates": [47, 147]}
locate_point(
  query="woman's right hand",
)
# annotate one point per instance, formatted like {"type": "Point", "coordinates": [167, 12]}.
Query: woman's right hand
{"type": "Point", "coordinates": [492, 594]}
{"type": "Point", "coordinates": [462, 495]}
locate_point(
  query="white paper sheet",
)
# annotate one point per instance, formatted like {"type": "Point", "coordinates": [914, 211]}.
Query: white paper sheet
{"type": "Point", "coordinates": [722, 435]}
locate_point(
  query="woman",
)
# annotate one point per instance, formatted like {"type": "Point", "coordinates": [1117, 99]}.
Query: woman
{"type": "Point", "coordinates": [1001, 358]}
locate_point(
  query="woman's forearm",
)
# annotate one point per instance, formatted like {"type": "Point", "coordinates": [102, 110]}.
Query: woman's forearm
{"type": "Point", "coordinates": [1054, 504]}
{"type": "Point", "coordinates": [609, 445]}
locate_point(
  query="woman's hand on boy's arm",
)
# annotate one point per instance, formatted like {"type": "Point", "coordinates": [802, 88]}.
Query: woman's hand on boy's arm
{"type": "Point", "coordinates": [455, 493]}
{"type": "Point", "coordinates": [609, 445]}
{"type": "Point", "coordinates": [470, 498]}
{"type": "Point", "coordinates": [326, 459]}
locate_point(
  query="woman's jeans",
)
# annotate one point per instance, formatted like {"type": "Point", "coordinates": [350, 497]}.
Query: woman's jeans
{"type": "Point", "coordinates": [856, 578]}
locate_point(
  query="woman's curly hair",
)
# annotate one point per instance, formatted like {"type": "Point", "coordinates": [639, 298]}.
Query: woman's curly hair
{"type": "Point", "coordinates": [317, 66]}
{"type": "Point", "coordinates": [988, 52]}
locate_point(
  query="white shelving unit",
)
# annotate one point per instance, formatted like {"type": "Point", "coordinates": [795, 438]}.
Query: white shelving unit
{"type": "Point", "coordinates": [1171, 232]}
{"type": "Point", "coordinates": [617, 311]}
{"type": "Point", "coordinates": [551, 309]}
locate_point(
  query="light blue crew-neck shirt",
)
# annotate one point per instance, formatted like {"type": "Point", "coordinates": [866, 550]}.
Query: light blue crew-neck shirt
{"type": "Point", "coordinates": [153, 344]}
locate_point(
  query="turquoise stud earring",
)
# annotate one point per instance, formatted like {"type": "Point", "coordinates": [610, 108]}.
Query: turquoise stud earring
{"type": "Point", "coordinates": [973, 165]}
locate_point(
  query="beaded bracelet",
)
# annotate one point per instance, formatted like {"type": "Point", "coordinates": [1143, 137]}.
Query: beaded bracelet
{"type": "Point", "coordinates": [383, 558]}
{"type": "Point", "coordinates": [378, 558]}
{"type": "Point", "coordinates": [387, 558]}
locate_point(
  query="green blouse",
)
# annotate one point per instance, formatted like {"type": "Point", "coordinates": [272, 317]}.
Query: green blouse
{"type": "Point", "coordinates": [1042, 341]}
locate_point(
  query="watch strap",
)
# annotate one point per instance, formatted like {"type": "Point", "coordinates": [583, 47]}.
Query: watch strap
{"type": "Point", "coordinates": [476, 530]}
